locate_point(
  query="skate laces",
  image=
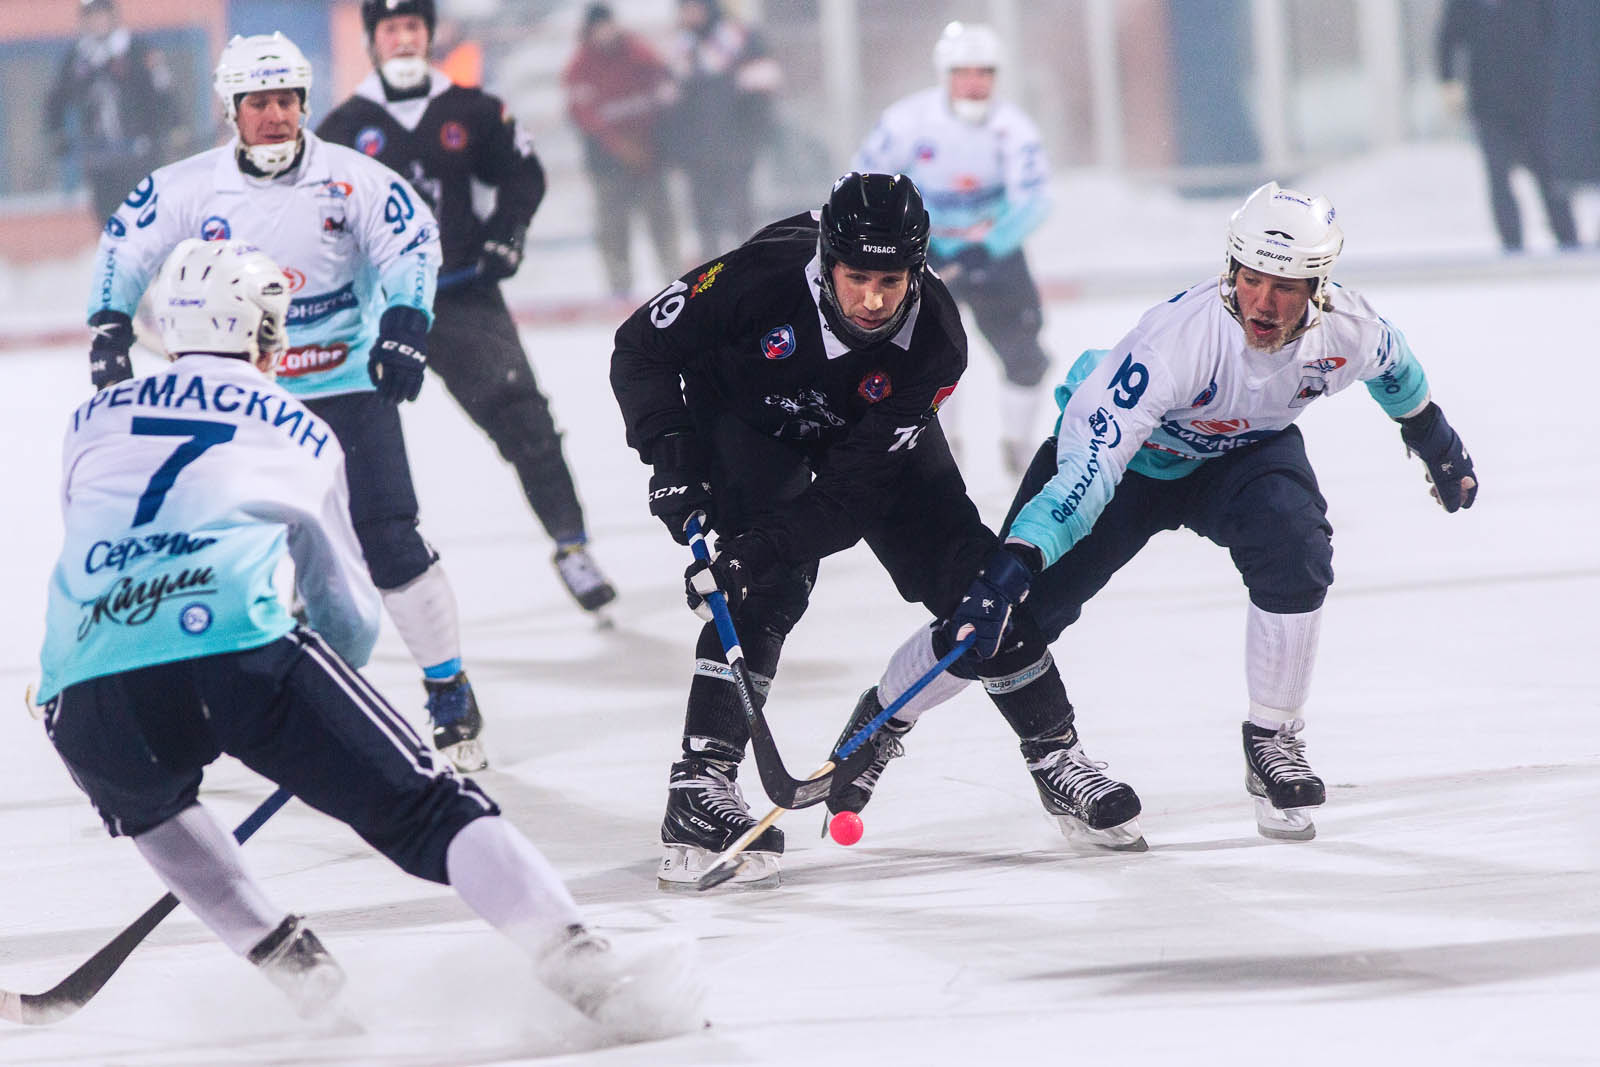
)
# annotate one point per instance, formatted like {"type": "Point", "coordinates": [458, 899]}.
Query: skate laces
{"type": "Point", "coordinates": [1283, 753]}
{"type": "Point", "coordinates": [1071, 771]}
{"type": "Point", "coordinates": [449, 704]}
{"type": "Point", "coordinates": [719, 793]}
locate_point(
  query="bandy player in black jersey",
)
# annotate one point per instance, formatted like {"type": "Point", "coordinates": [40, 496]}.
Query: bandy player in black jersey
{"type": "Point", "coordinates": [789, 389]}
{"type": "Point", "coordinates": [442, 137]}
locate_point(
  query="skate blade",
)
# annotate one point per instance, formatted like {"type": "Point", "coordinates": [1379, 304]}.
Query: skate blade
{"type": "Point", "coordinates": [466, 756]}
{"type": "Point", "coordinates": [683, 865]}
{"type": "Point", "coordinates": [1283, 824]}
{"type": "Point", "coordinates": [1128, 837]}
{"type": "Point", "coordinates": [661, 995]}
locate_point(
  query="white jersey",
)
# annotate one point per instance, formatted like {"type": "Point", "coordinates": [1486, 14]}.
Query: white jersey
{"type": "Point", "coordinates": [1184, 387]}
{"type": "Point", "coordinates": [350, 234]}
{"type": "Point", "coordinates": [181, 492]}
{"type": "Point", "coordinates": [983, 183]}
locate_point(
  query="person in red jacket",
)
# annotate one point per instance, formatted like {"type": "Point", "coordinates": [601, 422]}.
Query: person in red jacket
{"type": "Point", "coordinates": [617, 88]}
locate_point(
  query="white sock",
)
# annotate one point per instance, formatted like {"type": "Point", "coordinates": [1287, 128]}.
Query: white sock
{"type": "Point", "coordinates": [424, 611]}
{"type": "Point", "coordinates": [911, 661]}
{"type": "Point", "coordinates": [1019, 405]}
{"type": "Point", "coordinates": [1279, 654]}
{"type": "Point", "coordinates": [201, 864]}
{"type": "Point", "coordinates": [501, 875]}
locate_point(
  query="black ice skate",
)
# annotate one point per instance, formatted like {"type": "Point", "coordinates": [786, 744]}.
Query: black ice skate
{"type": "Point", "coordinates": [294, 960]}
{"type": "Point", "coordinates": [457, 723]}
{"type": "Point", "coordinates": [1079, 798]}
{"type": "Point", "coordinates": [583, 579]}
{"type": "Point", "coordinates": [1279, 777]}
{"type": "Point", "coordinates": [706, 813]}
{"type": "Point", "coordinates": [853, 795]}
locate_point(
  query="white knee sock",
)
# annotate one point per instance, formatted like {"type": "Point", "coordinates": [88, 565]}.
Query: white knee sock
{"type": "Point", "coordinates": [1279, 653]}
{"type": "Point", "coordinates": [424, 611]}
{"type": "Point", "coordinates": [1019, 405]}
{"type": "Point", "coordinates": [501, 875]}
{"type": "Point", "coordinates": [911, 661]}
{"type": "Point", "coordinates": [201, 864]}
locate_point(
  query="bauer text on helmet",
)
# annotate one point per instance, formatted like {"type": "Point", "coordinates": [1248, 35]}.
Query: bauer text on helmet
{"type": "Point", "coordinates": [222, 298]}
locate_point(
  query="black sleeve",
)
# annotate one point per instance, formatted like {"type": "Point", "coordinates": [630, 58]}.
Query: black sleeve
{"type": "Point", "coordinates": [508, 163]}
{"type": "Point", "coordinates": [653, 348]}
{"type": "Point", "coordinates": [1451, 37]}
{"type": "Point", "coordinates": [336, 127]}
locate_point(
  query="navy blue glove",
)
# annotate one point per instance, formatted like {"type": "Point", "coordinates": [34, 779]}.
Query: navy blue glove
{"type": "Point", "coordinates": [1455, 485]}
{"type": "Point", "coordinates": [680, 485]}
{"type": "Point", "coordinates": [399, 358]}
{"type": "Point", "coordinates": [501, 255]}
{"type": "Point", "coordinates": [1002, 583]}
{"type": "Point", "coordinates": [741, 564]}
{"type": "Point", "coordinates": [108, 352]}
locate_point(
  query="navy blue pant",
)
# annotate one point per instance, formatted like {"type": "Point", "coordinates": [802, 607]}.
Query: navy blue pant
{"type": "Point", "coordinates": [1261, 503]}
{"type": "Point", "coordinates": [383, 503]}
{"type": "Point", "coordinates": [292, 711]}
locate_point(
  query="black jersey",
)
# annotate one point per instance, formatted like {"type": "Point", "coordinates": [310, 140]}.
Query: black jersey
{"type": "Point", "coordinates": [441, 142]}
{"type": "Point", "coordinates": [745, 335]}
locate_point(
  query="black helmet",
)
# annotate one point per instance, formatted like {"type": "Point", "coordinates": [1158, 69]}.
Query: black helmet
{"type": "Point", "coordinates": [375, 11]}
{"type": "Point", "coordinates": [872, 222]}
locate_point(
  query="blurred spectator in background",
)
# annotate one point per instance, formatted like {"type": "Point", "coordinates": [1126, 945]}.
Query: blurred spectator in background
{"type": "Point", "coordinates": [112, 101]}
{"type": "Point", "coordinates": [618, 90]}
{"type": "Point", "coordinates": [981, 168]}
{"type": "Point", "coordinates": [1505, 47]}
{"type": "Point", "coordinates": [726, 83]}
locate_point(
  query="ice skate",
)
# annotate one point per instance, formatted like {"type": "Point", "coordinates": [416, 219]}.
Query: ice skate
{"type": "Point", "coordinates": [1085, 804]}
{"type": "Point", "coordinates": [457, 724]}
{"type": "Point", "coordinates": [706, 813]}
{"type": "Point", "coordinates": [294, 960]}
{"type": "Point", "coordinates": [853, 795]}
{"type": "Point", "coordinates": [1280, 779]}
{"type": "Point", "coordinates": [638, 995]}
{"type": "Point", "coordinates": [583, 579]}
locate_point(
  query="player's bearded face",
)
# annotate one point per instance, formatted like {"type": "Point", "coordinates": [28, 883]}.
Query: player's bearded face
{"type": "Point", "coordinates": [869, 298]}
{"type": "Point", "coordinates": [1270, 307]}
{"type": "Point", "coordinates": [269, 116]}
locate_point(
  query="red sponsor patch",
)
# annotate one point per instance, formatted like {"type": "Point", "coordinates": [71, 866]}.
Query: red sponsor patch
{"type": "Point", "coordinates": [942, 395]}
{"type": "Point", "coordinates": [310, 359]}
{"type": "Point", "coordinates": [297, 279]}
{"type": "Point", "coordinates": [1220, 426]}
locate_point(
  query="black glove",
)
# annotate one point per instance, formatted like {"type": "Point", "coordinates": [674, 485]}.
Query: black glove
{"type": "Point", "coordinates": [1002, 583]}
{"type": "Point", "coordinates": [501, 255]}
{"type": "Point", "coordinates": [680, 485]}
{"type": "Point", "coordinates": [108, 352]}
{"type": "Point", "coordinates": [1449, 467]}
{"type": "Point", "coordinates": [399, 356]}
{"type": "Point", "coordinates": [741, 564]}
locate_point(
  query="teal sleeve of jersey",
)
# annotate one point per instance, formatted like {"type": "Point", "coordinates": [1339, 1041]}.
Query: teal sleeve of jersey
{"type": "Point", "coordinates": [410, 281]}
{"type": "Point", "coordinates": [1014, 224]}
{"type": "Point", "coordinates": [1401, 387]}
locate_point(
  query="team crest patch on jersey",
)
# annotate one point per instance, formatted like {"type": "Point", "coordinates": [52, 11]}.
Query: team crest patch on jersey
{"type": "Point", "coordinates": [941, 396]}
{"type": "Point", "coordinates": [297, 279]}
{"type": "Point", "coordinates": [195, 619]}
{"type": "Point", "coordinates": [875, 387]}
{"type": "Point", "coordinates": [370, 141]}
{"type": "Point", "coordinates": [337, 189]}
{"type": "Point", "coordinates": [312, 359]}
{"type": "Point", "coordinates": [1208, 394]}
{"type": "Point", "coordinates": [215, 228]}
{"type": "Point", "coordinates": [706, 280]}
{"type": "Point", "coordinates": [1311, 387]}
{"type": "Point", "coordinates": [1325, 365]}
{"type": "Point", "coordinates": [924, 151]}
{"type": "Point", "coordinates": [779, 342]}
{"type": "Point", "coordinates": [1220, 426]}
{"type": "Point", "coordinates": [453, 136]}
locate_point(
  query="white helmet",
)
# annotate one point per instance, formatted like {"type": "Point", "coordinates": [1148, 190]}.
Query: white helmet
{"type": "Point", "coordinates": [1285, 233]}
{"type": "Point", "coordinates": [253, 64]}
{"type": "Point", "coordinates": [967, 44]}
{"type": "Point", "coordinates": [223, 297]}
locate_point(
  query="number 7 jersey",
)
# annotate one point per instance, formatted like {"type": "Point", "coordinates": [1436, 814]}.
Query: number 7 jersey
{"type": "Point", "coordinates": [181, 494]}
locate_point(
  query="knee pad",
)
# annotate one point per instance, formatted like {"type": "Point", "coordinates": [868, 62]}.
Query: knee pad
{"type": "Point", "coordinates": [777, 607]}
{"type": "Point", "coordinates": [395, 551]}
{"type": "Point", "coordinates": [1292, 574]}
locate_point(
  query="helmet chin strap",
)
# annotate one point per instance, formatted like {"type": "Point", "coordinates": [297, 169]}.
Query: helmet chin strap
{"type": "Point", "coordinates": [272, 159]}
{"type": "Point", "coordinates": [405, 72]}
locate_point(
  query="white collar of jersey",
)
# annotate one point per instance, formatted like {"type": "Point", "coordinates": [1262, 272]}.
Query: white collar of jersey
{"type": "Point", "coordinates": [406, 112]}
{"type": "Point", "coordinates": [831, 344]}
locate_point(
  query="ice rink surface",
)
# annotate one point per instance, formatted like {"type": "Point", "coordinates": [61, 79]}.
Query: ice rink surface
{"type": "Point", "coordinates": [1448, 911]}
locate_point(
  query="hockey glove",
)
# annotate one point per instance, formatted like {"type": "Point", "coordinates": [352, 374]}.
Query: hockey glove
{"type": "Point", "coordinates": [1455, 484]}
{"type": "Point", "coordinates": [399, 356]}
{"type": "Point", "coordinates": [501, 256]}
{"type": "Point", "coordinates": [1002, 583]}
{"type": "Point", "coordinates": [741, 564]}
{"type": "Point", "coordinates": [108, 352]}
{"type": "Point", "coordinates": [680, 486]}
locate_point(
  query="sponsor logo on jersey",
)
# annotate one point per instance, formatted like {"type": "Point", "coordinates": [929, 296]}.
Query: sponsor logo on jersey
{"type": "Point", "coordinates": [305, 310]}
{"type": "Point", "coordinates": [779, 342]}
{"type": "Point", "coordinates": [116, 227]}
{"type": "Point", "coordinates": [1311, 387]}
{"type": "Point", "coordinates": [1208, 394]}
{"type": "Point", "coordinates": [104, 555]}
{"type": "Point", "coordinates": [887, 250]}
{"type": "Point", "coordinates": [706, 280]}
{"type": "Point", "coordinates": [941, 396]}
{"type": "Point", "coordinates": [134, 603]}
{"type": "Point", "coordinates": [453, 136]}
{"type": "Point", "coordinates": [1220, 427]}
{"type": "Point", "coordinates": [312, 359]}
{"type": "Point", "coordinates": [1325, 365]}
{"type": "Point", "coordinates": [1103, 426]}
{"type": "Point", "coordinates": [297, 279]}
{"type": "Point", "coordinates": [875, 387]}
{"type": "Point", "coordinates": [370, 141]}
{"type": "Point", "coordinates": [195, 619]}
{"type": "Point", "coordinates": [924, 151]}
{"type": "Point", "coordinates": [215, 228]}
{"type": "Point", "coordinates": [1213, 436]}
{"type": "Point", "coordinates": [337, 189]}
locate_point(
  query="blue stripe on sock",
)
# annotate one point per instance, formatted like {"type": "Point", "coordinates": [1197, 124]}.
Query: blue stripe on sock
{"type": "Point", "coordinates": [448, 669]}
